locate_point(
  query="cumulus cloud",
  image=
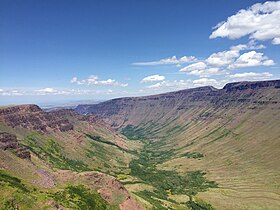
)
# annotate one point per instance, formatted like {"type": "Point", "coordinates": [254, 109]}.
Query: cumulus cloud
{"type": "Point", "coordinates": [205, 81]}
{"type": "Point", "coordinates": [222, 58]}
{"type": "Point", "coordinates": [251, 45]}
{"type": "Point", "coordinates": [202, 69]}
{"type": "Point", "coordinates": [207, 72]}
{"type": "Point", "coordinates": [74, 80]}
{"type": "Point", "coordinates": [250, 59]}
{"type": "Point", "coordinates": [220, 63]}
{"type": "Point", "coordinates": [175, 84]}
{"type": "Point", "coordinates": [94, 80]}
{"type": "Point", "coordinates": [194, 66]}
{"type": "Point", "coordinates": [153, 78]}
{"type": "Point", "coordinates": [260, 22]}
{"type": "Point", "coordinates": [50, 91]}
{"type": "Point", "coordinates": [172, 85]}
{"type": "Point", "coordinates": [47, 90]}
{"type": "Point", "coordinates": [167, 61]}
{"type": "Point", "coordinates": [227, 57]}
{"type": "Point", "coordinates": [251, 76]}
{"type": "Point", "coordinates": [276, 40]}
{"type": "Point", "coordinates": [187, 83]}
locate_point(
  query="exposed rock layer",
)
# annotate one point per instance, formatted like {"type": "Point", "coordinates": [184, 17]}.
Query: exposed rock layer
{"type": "Point", "coordinates": [34, 118]}
{"type": "Point", "coordinates": [9, 141]}
{"type": "Point", "coordinates": [121, 112]}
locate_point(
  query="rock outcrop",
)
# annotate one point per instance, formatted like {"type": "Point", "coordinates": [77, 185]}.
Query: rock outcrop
{"type": "Point", "coordinates": [107, 186]}
{"type": "Point", "coordinates": [9, 142]}
{"type": "Point", "coordinates": [23, 152]}
{"type": "Point", "coordinates": [34, 118]}
{"type": "Point", "coordinates": [251, 85]}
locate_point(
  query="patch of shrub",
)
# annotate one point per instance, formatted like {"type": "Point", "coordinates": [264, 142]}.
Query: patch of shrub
{"type": "Point", "coordinates": [133, 133]}
{"type": "Point", "coordinates": [164, 181]}
{"type": "Point", "coordinates": [122, 176]}
{"type": "Point", "coordinates": [12, 181]}
{"type": "Point", "coordinates": [102, 140]}
{"type": "Point", "coordinates": [199, 205]}
{"type": "Point", "coordinates": [194, 155]}
{"type": "Point", "coordinates": [51, 151]}
{"type": "Point", "coordinates": [80, 198]}
{"type": "Point", "coordinates": [149, 196]}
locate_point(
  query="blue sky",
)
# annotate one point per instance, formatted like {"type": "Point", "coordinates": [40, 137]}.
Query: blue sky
{"type": "Point", "coordinates": [61, 50]}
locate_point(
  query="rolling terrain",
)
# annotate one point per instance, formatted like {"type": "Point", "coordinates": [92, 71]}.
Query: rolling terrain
{"type": "Point", "coordinates": [61, 160]}
{"type": "Point", "coordinates": [203, 148]}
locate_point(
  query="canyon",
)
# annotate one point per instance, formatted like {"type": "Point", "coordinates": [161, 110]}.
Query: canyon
{"type": "Point", "coordinates": [200, 148]}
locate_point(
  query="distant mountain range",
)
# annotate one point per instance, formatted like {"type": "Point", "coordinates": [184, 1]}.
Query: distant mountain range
{"type": "Point", "coordinates": [66, 104]}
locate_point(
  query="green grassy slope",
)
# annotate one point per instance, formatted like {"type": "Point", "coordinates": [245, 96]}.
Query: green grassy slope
{"type": "Point", "coordinates": [193, 149]}
{"type": "Point", "coordinates": [203, 148]}
{"type": "Point", "coordinates": [66, 169]}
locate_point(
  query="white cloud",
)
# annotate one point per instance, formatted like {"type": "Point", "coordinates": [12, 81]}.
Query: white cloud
{"type": "Point", "coordinates": [227, 57]}
{"type": "Point", "coordinates": [176, 84]}
{"type": "Point", "coordinates": [202, 69]}
{"type": "Point", "coordinates": [109, 91]}
{"type": "Point", "coordinates": [251, 76]}
{"type": "Point", "coordinates": [260, 22]}
{"type": "Point", "coordinates": [12, 92]}
{"type": "Point", "coordinates": [153, 78]}
{"type": "Point", "coordinates": [47, 90]}
{"type": "Point", "coordinates": [182, 84]}
{"type": "Point", "coordinates": [205, 81]}
{"type": "Point", "coordinates": [171, 60]}
{"type": "Point", "coordinates": [52, 91]}
{"type": "Point", "coordinates": [87, 92]}
{"type": "Point", "coordinates": [94, 80]}
{"type": "Point", "coordinates": [251, 45]}
{"type": "Point", "coordinates": [194, 66]}
{"type": "Point", "coordinates": [167, 85]}
{"type": "Point", "coordinates": [220, 63]}
{"type": "Point", "coordinates": [250, 59]}
{"type": "Point", "coordinates": [222, 58]}
{"type": "Point", "coordinates": [276, 40]}
{"type": "Point", "coordinates": [74, 80]}
{"type": "Point", "coordinates": [208, 72]}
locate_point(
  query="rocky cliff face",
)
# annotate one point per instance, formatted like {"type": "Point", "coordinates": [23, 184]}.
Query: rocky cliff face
{"type": "Point", "coordinates": [164, 107]}
{"type": "Point", "coordinates": [89, 145]}
{"type": "Point", "coordinates": [34, 118]}
{"type": "Point", "coordinates": [251, 85]}
{"type": "Point", "coordinates": [239, 92]}
{"type": "Point", "coordinates": [9, 142]}
{"type": "Point", "coordinates": [112, 107]}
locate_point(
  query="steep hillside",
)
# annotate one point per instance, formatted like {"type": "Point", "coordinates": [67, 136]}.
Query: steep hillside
{"type": "Point", "coordinates": [217, 147]}
{"type": "Point", "coordinates": [61, 160]}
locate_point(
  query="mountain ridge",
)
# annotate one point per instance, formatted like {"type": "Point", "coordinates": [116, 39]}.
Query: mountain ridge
{"type": "Point", "coordinates": [231, 134]}
{"type": "Point", "coordinates": [202, 148]}
{"type": "Point", "coordinates": [43, 154]}
{"type": "Point", "coordinates": [229, 86]}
